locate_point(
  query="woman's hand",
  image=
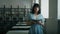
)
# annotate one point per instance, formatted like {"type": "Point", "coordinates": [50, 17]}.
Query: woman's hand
{"type": "Point", "coordinates": [33, 22]}
{"type": "Point", "coordinates": [30, 22]}
{"type": "Point", "coordinates": [39, 22]}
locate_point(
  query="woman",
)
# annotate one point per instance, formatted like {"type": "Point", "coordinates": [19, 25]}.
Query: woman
{"type": "Point", "coordinates": [36, 19]}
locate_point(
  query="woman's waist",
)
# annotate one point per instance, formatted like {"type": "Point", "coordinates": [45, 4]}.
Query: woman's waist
{"type": "Point", "coordinates": [35, 24]}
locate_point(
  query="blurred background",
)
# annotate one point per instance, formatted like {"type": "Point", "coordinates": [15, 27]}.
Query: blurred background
{"type": "Point", "coordinates": [13, 16]}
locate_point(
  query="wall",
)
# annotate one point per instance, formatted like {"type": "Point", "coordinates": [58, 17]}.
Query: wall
{"type": "Point", "coordinates": [52, 22]}
{"type": "Point", "coordinates": [15, 3]}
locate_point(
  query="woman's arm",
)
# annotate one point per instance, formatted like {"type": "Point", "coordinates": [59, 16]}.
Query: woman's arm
{"type": "Point", "coordinates": [30, 22]}
{"type": "Point", "coordinates": [42, 20]}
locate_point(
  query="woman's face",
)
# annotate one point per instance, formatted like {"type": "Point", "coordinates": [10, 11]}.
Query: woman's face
{"type": "Point", "coordinates": [36, 9]}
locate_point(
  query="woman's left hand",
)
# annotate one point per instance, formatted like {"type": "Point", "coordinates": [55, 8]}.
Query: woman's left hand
{"type": "Point", "coordinates": [39, 22]}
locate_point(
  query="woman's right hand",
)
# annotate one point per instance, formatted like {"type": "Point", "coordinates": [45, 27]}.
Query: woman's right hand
{"type": "Point", "coordinates": [32, 22]}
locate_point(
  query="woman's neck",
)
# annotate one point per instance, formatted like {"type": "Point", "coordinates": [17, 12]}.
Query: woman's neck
{"type": "Point", "coordinates": [36, 13]}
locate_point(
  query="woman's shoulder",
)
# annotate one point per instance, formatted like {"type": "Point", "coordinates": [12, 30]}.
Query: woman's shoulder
{"type": "Point", "coordinates": [40, 15]}
{"type": "Point", "coordinates": [30, 14]}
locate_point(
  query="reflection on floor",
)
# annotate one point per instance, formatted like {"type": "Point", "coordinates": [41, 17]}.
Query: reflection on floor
{"type": "Point", "coordinates": [18, 32]}
{"type": "Point", "coordinates": [19, 29]}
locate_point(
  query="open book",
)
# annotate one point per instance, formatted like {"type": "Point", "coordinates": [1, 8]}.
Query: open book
{"type": "Point", "coordinates": [36, 21]}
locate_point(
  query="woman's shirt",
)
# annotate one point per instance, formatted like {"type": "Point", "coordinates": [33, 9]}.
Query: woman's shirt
{"type": "Point", "coordinates": [33, 17]}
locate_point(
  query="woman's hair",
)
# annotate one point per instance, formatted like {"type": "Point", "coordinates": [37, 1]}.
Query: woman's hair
{"type": "Point", "coordinates": [36, 5]}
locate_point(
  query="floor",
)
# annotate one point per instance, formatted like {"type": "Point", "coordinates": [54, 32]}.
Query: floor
{"type": "Point", "coordinates": [18, 32]}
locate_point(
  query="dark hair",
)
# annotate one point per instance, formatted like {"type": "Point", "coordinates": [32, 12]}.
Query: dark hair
{"type": "Point", "coordinates": [36, 5]}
